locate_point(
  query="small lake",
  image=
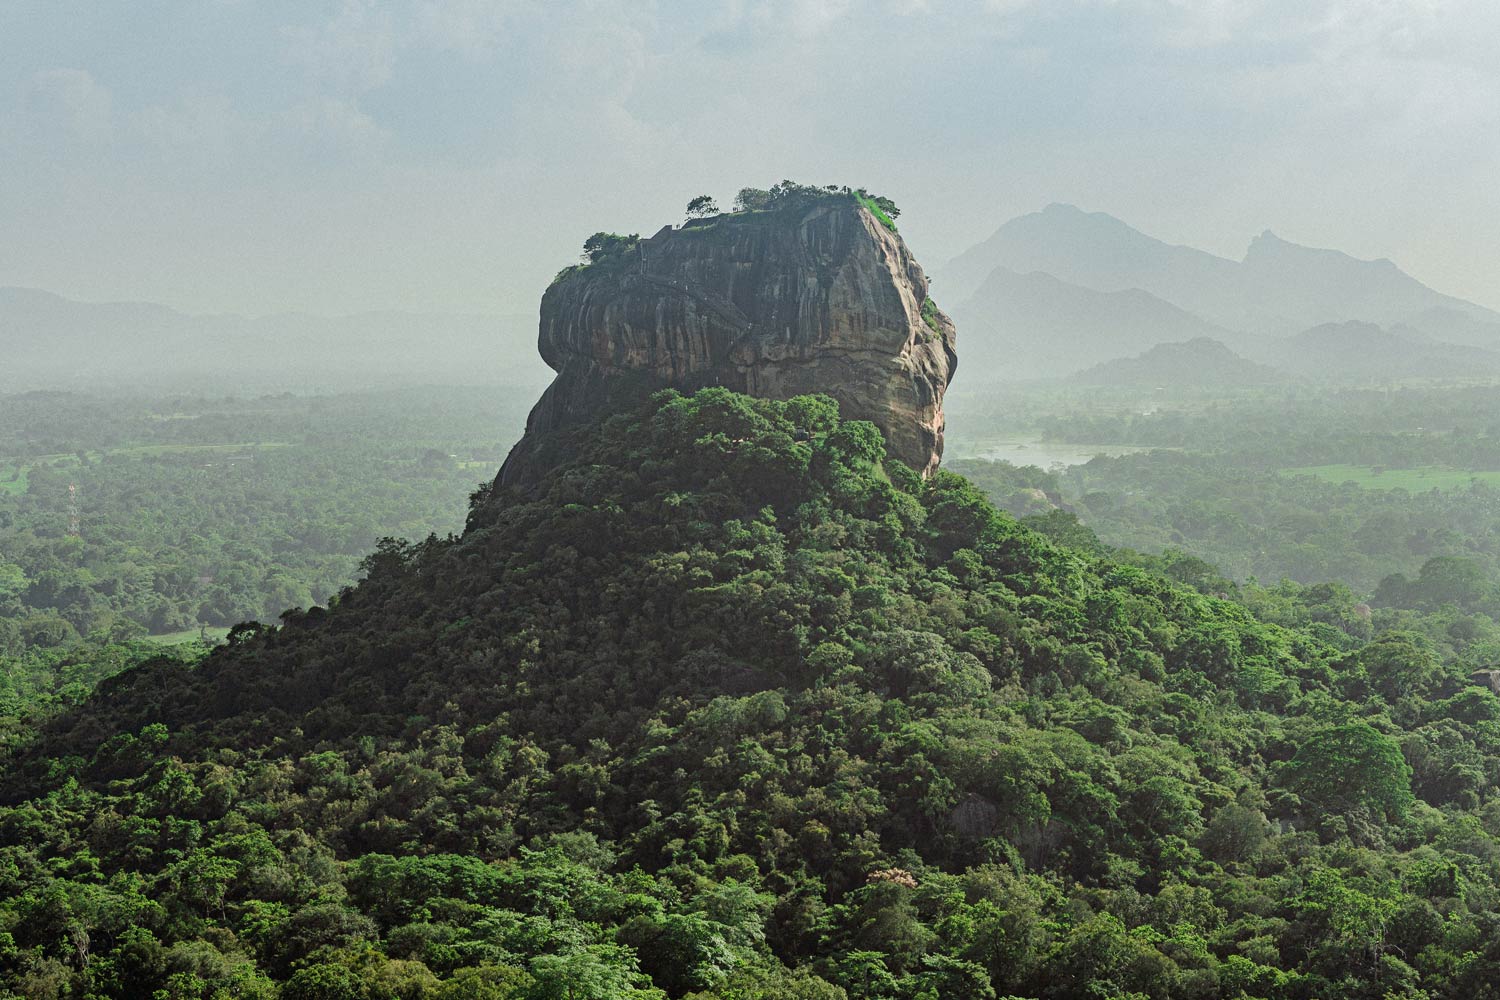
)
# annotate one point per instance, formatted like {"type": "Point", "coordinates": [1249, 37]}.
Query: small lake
{"type": "Point", "coordinates": [1031, 451]}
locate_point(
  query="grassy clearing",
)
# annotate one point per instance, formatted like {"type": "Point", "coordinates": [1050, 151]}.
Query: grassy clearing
{"type": "Point", "coordinates": [22, 480]}
{"type": "Point", "coordinates": [184, 449]}
{"type": "Point", "coordinates": [1418, 480]}
{"type": "Point", "coordinates": [17, 485]}
{"type": "Point", "coordinates": [188, 635]}
{"type": "Point", "coordinates": [71, 458]}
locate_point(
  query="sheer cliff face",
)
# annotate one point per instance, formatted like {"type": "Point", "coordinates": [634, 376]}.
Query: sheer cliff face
{"type": "Point", "coordinates": [774, 304]}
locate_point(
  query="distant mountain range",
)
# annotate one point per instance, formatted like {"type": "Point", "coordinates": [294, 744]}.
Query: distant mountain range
{"type": "Point", "coordinates": [1332, 351]}
{"type": "Point", "coordinates": [1197, 362]}
{"type": "Point", "coordinates": [1279, 289]}
{"type": "Point", "coordinates": [1042, 325]}
{"type": "Point", "coordinates": [1049, 295]}
{"type": "Point", "coordinates": [47, 341]}
{"type": "Point", "coordinates": [1355, 350]}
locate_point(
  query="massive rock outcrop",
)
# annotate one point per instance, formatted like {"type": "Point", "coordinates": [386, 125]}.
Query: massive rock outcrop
{"type": "Point", "coordinates": [815, 295]}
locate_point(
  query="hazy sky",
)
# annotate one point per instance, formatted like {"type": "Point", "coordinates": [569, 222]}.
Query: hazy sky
{"type": "Point", "coordinates": [264, 155]}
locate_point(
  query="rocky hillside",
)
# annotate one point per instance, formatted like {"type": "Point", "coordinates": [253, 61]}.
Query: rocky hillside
{"type": "Point", "coordinates": [810, 293]}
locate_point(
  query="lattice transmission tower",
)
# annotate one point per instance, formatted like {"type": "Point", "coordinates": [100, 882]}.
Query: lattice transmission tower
{"type": "Point", "coordinates": [73, 512]}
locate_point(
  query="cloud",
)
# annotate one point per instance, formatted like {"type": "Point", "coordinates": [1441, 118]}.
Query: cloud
{"type": "Point", "coordinates": [809, 17]}
{"type": "Point", "coordinates": [1232, 114]}
{"type": "Point", "coordinates": [1391, 70]}
{"type": "Point", "coordinates": [357, 48]}
{"type": "Point", "coordinates": [70, 102]}
{"type": "Point", "coordinates": [353, 51]}
{"type": "Point", "coordinates": [333, 125]}
{"type": "Point", "coordinates": [200, 125]}
{"type": "Point", "coordinates": [1202, 23]}
{"type": "Point", "coordinates": [602, 65]}
{"type": "Point", "coordinates": [741, 22]}
{"type": "Point", "coordinates": [472, 28]}
{"type": "Point", "coordinates": [1008, 7]}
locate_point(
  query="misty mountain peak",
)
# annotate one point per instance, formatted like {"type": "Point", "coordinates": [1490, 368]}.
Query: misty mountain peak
{"type": "Point", "coordinates": [1063, 217]}
{"type": "Point", "coordinates": [1268, 246]}
{"type": "Point", "coordinates": [1059, 209]}
{"type": "Point", "coordinates": [1198, 361]}
{"type": "Point", "coordinates": [1267, 241]}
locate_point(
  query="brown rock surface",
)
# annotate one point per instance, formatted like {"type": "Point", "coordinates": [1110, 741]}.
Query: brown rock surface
{"type": "Point", "coordinates": [1491, 678]}
{"type": "Point", "coordinates": [818, 296]}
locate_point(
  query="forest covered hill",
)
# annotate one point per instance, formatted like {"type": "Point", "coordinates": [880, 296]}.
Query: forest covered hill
{"type": "Point", "coordinates": [1198, 362]}
{"type": "Point", "coordinates": [1364, 351]}
{"type": "Point", "coordinates": [728, 705]}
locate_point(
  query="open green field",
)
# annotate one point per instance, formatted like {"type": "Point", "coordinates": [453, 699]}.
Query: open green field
{"type": "Point", "coordinates": [178, 449]}
{"type": "Point", "coordinates": [188, 635]}
{"type": "Point", "coordinates": [158, 449]}
{"type": "Point", "coordinates": [21, 483]}
{"type": "Point", "coordinates": [1418, 480]}
{"type": "Point", "coordinates": [17, 485]}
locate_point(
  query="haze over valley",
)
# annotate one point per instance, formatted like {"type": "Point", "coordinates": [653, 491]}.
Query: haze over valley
{"type": "Point", "coordinates": [1050, 294]}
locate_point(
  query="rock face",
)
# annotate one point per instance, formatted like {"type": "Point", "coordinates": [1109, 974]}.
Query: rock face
{"type": "Point", "coordinates": [818, 296]}
{"type": "Point", "coordinates": [1491, 678]}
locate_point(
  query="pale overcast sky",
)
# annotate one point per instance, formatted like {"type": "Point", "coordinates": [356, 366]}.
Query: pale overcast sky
{"type": "Point", "coordinates": [265, 155]}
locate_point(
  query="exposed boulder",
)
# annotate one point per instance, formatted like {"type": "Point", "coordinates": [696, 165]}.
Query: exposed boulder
{"type": "Point", "coordinates": [975, 818]}
{"type": "Point", "coordinates": [815, 295]}
{"type": "Point", "coordinates": [1488, 678]}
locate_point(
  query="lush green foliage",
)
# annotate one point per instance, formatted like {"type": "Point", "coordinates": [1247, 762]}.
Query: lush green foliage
{"type": "Point", "coordinates": [752, 200]}
{"type": "Point", "coordinates": [1242, 482]}
{"type": "Point", "coordinates": [602, 246]}
{"type": "Point", "coordinates": [210, 512]}
{"type": "Point", "coordinates": [929, 314]}
{"type": "Point", "coordinates": [702, 207]}
{"type": "Point", "coordinates": [1256, 523]}
{"type": "Point", "coordinates": [731, 708]}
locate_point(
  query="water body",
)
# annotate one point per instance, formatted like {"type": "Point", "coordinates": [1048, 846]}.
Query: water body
{"type": "Point", "coordinates": [1033, 451]}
